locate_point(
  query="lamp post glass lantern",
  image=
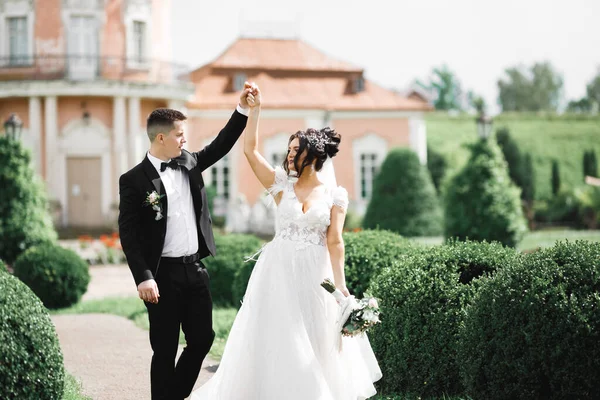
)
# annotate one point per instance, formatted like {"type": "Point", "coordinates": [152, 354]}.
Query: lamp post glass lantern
{"type": "Point", "coordinates": [13, 126]}
{"type": "Point", "coordinates": [484, 126]}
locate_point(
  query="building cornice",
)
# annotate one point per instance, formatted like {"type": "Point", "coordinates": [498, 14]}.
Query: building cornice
{"type": "Point", "coordinates": [267, 113]}
{"type": "Point", "coordinates": [180, 91]}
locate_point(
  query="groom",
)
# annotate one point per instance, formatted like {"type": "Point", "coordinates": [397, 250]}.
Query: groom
{"type": "Point", "coordinates": [165, 230]}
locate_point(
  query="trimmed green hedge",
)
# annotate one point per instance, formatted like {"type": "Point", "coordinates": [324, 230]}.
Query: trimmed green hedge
{"type": "Point", "coordinates": [368, 252]}
{"type": "Point", "coordinates": [58, 276]}
{"type": "Point", "coordinates": [232, 251]}
{"type": "Point", "coordinates": [31, 362]}
{"type": "Point", "coordinates": [533, 332]}
{"type": "Point", "coordinates": [423, 299]}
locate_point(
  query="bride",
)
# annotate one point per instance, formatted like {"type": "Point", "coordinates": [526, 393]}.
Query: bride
{"type": "Point", "coordinates": [284, 343]}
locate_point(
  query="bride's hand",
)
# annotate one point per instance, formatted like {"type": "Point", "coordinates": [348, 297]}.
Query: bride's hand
{"type": "Point", "coordinates": [254, 97]}
{"type": "Point", "coordinates": [344, 291]}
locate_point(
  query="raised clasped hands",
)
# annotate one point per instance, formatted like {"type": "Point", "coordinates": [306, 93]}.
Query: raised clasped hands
{"type": "Point", "coordinates": [253, 98]}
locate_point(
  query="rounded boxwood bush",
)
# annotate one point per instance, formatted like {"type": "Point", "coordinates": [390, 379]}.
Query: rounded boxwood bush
{"type": "Point", "coordinates": [58, 276]}
{"type": "Point", "coordinates": [24, 217]}
{"type": "Point", "coordinates": [482, 203]}
{"type": "Point", "coordinates": [533, 332]}
{"type": "Point", "coordinates": [3, 267]}
{"type": "Point", "coordinates": [31, 362]}
{"type": "Point", "coordinates": [422, 304]}
{"type": "Point", "coordinates": [232, 251]}
{"type": "Point", "coordinates": [367, 253]}
{"type": "Point", "coordinates": [404, 199]}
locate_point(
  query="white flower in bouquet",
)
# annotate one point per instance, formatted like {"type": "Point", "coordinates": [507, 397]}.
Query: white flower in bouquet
{"type": "Point", "coordinates": [370, 316]}
{"type": "Point", "coordinates": [373, 302]}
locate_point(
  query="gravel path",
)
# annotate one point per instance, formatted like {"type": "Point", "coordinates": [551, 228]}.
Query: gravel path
{"type": "Point", "coordinates": [107, 353]}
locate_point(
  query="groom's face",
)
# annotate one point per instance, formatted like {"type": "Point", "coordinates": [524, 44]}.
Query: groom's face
{"type": "Point", "coordinates": [174, 140]}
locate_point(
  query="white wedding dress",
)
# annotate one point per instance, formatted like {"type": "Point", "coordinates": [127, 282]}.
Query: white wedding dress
{"type": "Point", "coordinates": [283, 343]}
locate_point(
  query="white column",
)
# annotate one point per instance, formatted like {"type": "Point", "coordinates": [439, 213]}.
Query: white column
{"type": "Point", "coordinates": [35, 130]}
{"type": "Point", "coordinates": [120, 144]}
{"type": "Point", "coordinates": [53, 178]}
{"type": "Point", "coordinates": [418, 138]}
{"type": "Point", "coordinates": [133, 147]}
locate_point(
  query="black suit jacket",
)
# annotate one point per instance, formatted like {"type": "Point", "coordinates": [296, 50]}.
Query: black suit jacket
{"type": "Point", "coordinates": [142, 237]}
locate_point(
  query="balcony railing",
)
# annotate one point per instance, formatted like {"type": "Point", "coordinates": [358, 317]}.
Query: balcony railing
{"type": "Point", "coordinates": [91, 68]}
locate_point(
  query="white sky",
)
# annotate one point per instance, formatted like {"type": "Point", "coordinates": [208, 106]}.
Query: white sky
{"type": "Point", "coordinates": [396, 41]}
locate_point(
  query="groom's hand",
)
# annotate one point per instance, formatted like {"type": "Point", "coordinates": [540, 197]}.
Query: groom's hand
{"type": "Point", "coordinates": [148, 291]}
{"type": "Point", "coordinates": [254, 97]}
{"type": "Point", "coordinates": [247, 89]}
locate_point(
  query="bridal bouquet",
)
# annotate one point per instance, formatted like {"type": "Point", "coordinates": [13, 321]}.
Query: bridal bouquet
{"type": "Point", "coordinates": [356, 316]}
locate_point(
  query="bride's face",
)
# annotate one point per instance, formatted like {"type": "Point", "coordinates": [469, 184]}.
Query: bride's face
{"type": "Point", "coordinates": [292, 152]}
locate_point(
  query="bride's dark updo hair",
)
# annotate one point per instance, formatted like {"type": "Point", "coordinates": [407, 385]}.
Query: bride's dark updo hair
{"type": "Point", "coordinates": [319, 144]}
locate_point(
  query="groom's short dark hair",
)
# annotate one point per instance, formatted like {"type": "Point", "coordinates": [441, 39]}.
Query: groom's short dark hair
{"type": "Point", "coordinates": [162, 120]}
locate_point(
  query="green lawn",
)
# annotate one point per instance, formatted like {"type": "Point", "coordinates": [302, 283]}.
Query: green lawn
{"type": "Point", "coordinates": [545, 137]}
{"type": "Point", "coordinates": [133, 308]}
{"type": "Point", "coordinates": [535, 239]}
{"type": "Point", "coordinates": [547, 238]}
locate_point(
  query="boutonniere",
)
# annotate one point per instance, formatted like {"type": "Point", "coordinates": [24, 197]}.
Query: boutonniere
{"type": "Point", "coordinates": [153, 200]}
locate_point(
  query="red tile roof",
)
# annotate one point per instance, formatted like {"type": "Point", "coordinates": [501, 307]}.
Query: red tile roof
{"type": "Point", "coordinates": [278, 54]}
{"type": "Point", "coordinates": [292, 75]}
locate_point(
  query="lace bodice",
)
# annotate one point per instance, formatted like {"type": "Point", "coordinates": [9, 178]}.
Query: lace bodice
{"type": "Point", "coordinates": [308, 227]}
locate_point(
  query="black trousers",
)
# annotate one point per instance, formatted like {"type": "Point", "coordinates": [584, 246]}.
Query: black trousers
{"type": "Point", "coordinates": [185, 302]}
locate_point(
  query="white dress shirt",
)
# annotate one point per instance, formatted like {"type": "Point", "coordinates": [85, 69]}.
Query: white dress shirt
{"type": "Point", "coordinates": [181, 238]}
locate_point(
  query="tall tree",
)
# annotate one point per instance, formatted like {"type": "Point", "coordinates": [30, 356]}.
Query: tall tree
{"type": "Point", "coordinates": [555, 177]}
{"type": "Point", "coordinates": [477, 102]}
{"type": "Point", "coordinates": [593, 89]}
{"type": "Point", "coordinates": [536, 89]}
{"type": "Point", "coordinates": [445, 88]}
{"type": "Point", "coordinates": [528, 189]}
{"type": "Point", "coordinates": [590, 164]}
{"type": "Point", "coordinates": [581, 106]}
{"type": "Point", "coordinates": [437, 165]}
{"type": "Point", "coordinates": [512, 155]}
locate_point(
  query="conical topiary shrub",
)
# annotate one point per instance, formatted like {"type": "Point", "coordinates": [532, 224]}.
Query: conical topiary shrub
{"type": "Point", "coordinates": [24, 217]}
{"type": "Point", "coordinates": [482, 203]}
{"type": "Point", "coordinates": [404, 198]}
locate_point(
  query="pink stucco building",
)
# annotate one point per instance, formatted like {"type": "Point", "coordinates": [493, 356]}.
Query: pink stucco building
{"type": "Point", "coordinates": [84, 74]}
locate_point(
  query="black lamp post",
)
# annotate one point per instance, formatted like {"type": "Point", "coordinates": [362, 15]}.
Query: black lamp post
{"type": "Point", "coordinates": [484, 125]}
{"type": "Point", "coordinates": [13, 126]}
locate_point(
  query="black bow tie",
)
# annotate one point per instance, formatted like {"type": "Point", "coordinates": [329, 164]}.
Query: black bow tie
{"type": "Point", "coordinates": [171, 164]}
